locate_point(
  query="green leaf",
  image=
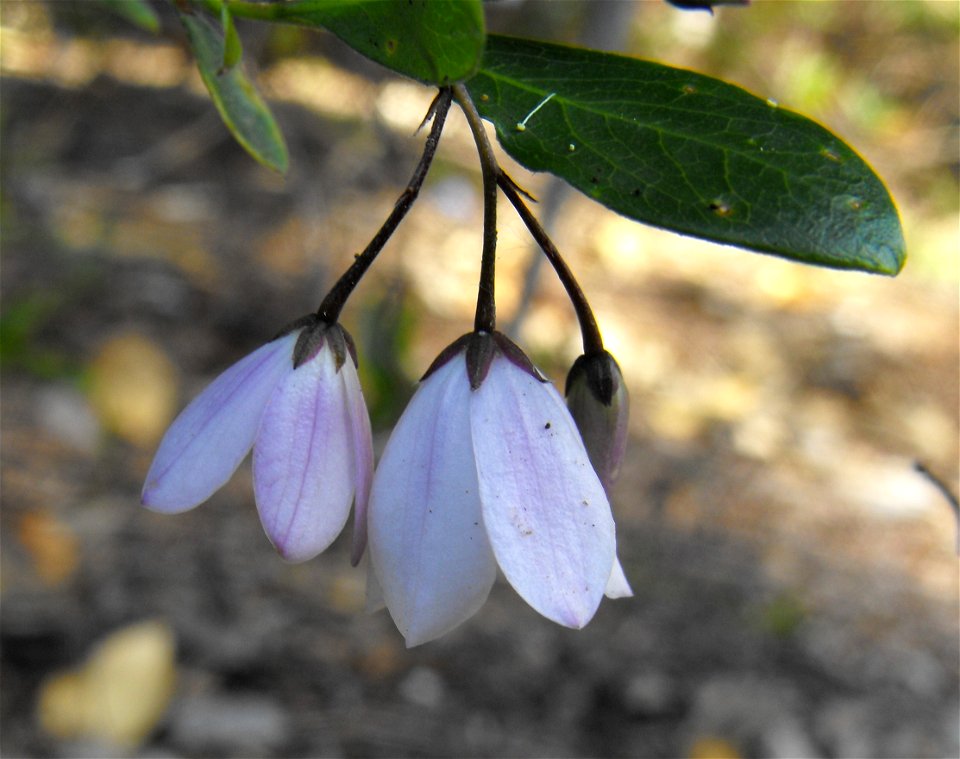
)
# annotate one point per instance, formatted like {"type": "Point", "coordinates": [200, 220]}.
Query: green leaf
{"type": "Point", "coordinates": [137, 12]}
{"type": "Point", "coordinates": [689, 153]}
{"type": "Point", "coordinates": [232, 47]}
{"type": "Point", "coordinates": [240, 105]}
{"type": "Point", "coordinates": [435, 41]}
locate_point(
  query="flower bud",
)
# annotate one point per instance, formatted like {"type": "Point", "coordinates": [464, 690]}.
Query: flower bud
{"type": "Point", "coordinates": [599, 404]}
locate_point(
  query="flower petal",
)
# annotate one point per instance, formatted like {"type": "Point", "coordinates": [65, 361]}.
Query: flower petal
{"type": "Point", "coordinates": [427, 541]}
{"type": "Point", "coordinates": [617, 585]}
{"type": "Point", "coordinates": [302, 460]}
{"type": "Point", "coordinates": [207, 442]}
{"type": "Point", "coordinates": [546, 514]}
{"type": "Point", "coordinates": [361, 443]}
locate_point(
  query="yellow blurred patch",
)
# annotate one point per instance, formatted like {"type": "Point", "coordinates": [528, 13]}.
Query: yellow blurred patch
{"type": "Point", "coordinates": [51, 544]}
{"type": "Point", "coordinates": [713, 748]}
{"type": "Point", "coordinates": [380, 660]}
{"type": "Point", "coordinates": [133, 388]}
{"type": "Point", "coordinates": [620, 244]}
{"type": "Point", "coordinates": [121, 692]}
{"type": "Point", "coordinates": [346, 593]}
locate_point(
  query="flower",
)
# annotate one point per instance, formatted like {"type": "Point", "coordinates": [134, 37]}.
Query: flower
{"type": "Point", "coordinates": [297, 402]}
{"type": "Point", "coordinates": [484, 469]}
{"type": "Point", "coordinates": [599, 404]}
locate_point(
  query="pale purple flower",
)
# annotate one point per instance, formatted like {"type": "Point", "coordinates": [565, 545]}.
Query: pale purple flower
{"type": "Point", "coordinates": [297, 402]}
{"type": "Point", "coordinates": [486, 469]}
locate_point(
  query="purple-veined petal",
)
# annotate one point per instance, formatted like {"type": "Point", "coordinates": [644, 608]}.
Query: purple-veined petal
{"type": "Point", "coordinates": [427, 541]}
{"type": "Point", "coordinates": [302, 460]}
{"type": "Point", "coordinates": [545, 511]}
{"type": "Point", "coordinates": [617, 585]}
{"type": "Point", "coordinates": [207, 442]}
{"type": "Point", "coordinates": [361, 443]}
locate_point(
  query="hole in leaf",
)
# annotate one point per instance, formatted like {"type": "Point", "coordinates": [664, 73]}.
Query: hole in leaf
{"type": "Point", "coordinates": [688, 89]}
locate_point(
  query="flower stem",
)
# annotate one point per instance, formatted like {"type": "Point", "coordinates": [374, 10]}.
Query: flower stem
{"type": "Point", "coordinates": [589, 331]}
{"type": "Point", "coordinates": [331, 306]}
{"type": "Point", "coordinates": [486, 318]}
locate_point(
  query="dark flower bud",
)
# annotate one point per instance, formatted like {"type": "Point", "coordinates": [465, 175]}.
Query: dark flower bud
{"type": "Point", "coordinates": [599, 404]}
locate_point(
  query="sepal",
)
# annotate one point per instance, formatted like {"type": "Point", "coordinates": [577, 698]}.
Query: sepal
{"type": "Point", "coordinates": [315, 334]}
{"type": "Point", "coordinates": [481, 348]}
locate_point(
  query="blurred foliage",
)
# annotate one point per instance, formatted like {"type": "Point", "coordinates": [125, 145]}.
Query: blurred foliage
{"type": "Point", "coordinates": [387, 329]}
{"type": "Point", "coordinates": [783, 615]}
{"type": "Point", "coordinates": [20, 322]}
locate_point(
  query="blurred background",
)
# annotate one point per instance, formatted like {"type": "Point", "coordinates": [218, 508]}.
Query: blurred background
{"type": "Point", "coordinates": [795, 576]}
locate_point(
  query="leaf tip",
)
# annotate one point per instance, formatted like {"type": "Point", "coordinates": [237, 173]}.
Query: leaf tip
{"type": "Point", "coordinates": [280, 164]}
{"type": "Point", "coordinates": [891, 260]}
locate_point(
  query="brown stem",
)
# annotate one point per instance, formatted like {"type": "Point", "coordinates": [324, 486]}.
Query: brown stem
{"type": "Point", "coordinates": [329, 310]}
{"type": "Point", "coordinates": [590, 332]}
{"type": "Point", "coordinates": [486, 317]}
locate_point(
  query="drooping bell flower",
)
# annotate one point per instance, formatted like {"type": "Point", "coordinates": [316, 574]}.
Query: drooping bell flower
{"type": "Point", "coordinates": [297, 402]}
{"type": "Point", "coordinates": [486, 469]}
{"type": "Point", "coordinates": [599, 404]}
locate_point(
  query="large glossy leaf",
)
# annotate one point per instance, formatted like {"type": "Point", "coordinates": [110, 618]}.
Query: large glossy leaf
{"type": "Point", "coordinates": [689, 153]}
{"type": "Point", "coordinates": [239, 103]}
{"type": "Point", "coordinates": [435, 41]}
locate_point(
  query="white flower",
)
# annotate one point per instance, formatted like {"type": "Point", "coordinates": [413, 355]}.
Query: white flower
{"type": "Point", "coordinates": [297, 402]}
{"type": "Point", "coordinates": [486, 468]}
